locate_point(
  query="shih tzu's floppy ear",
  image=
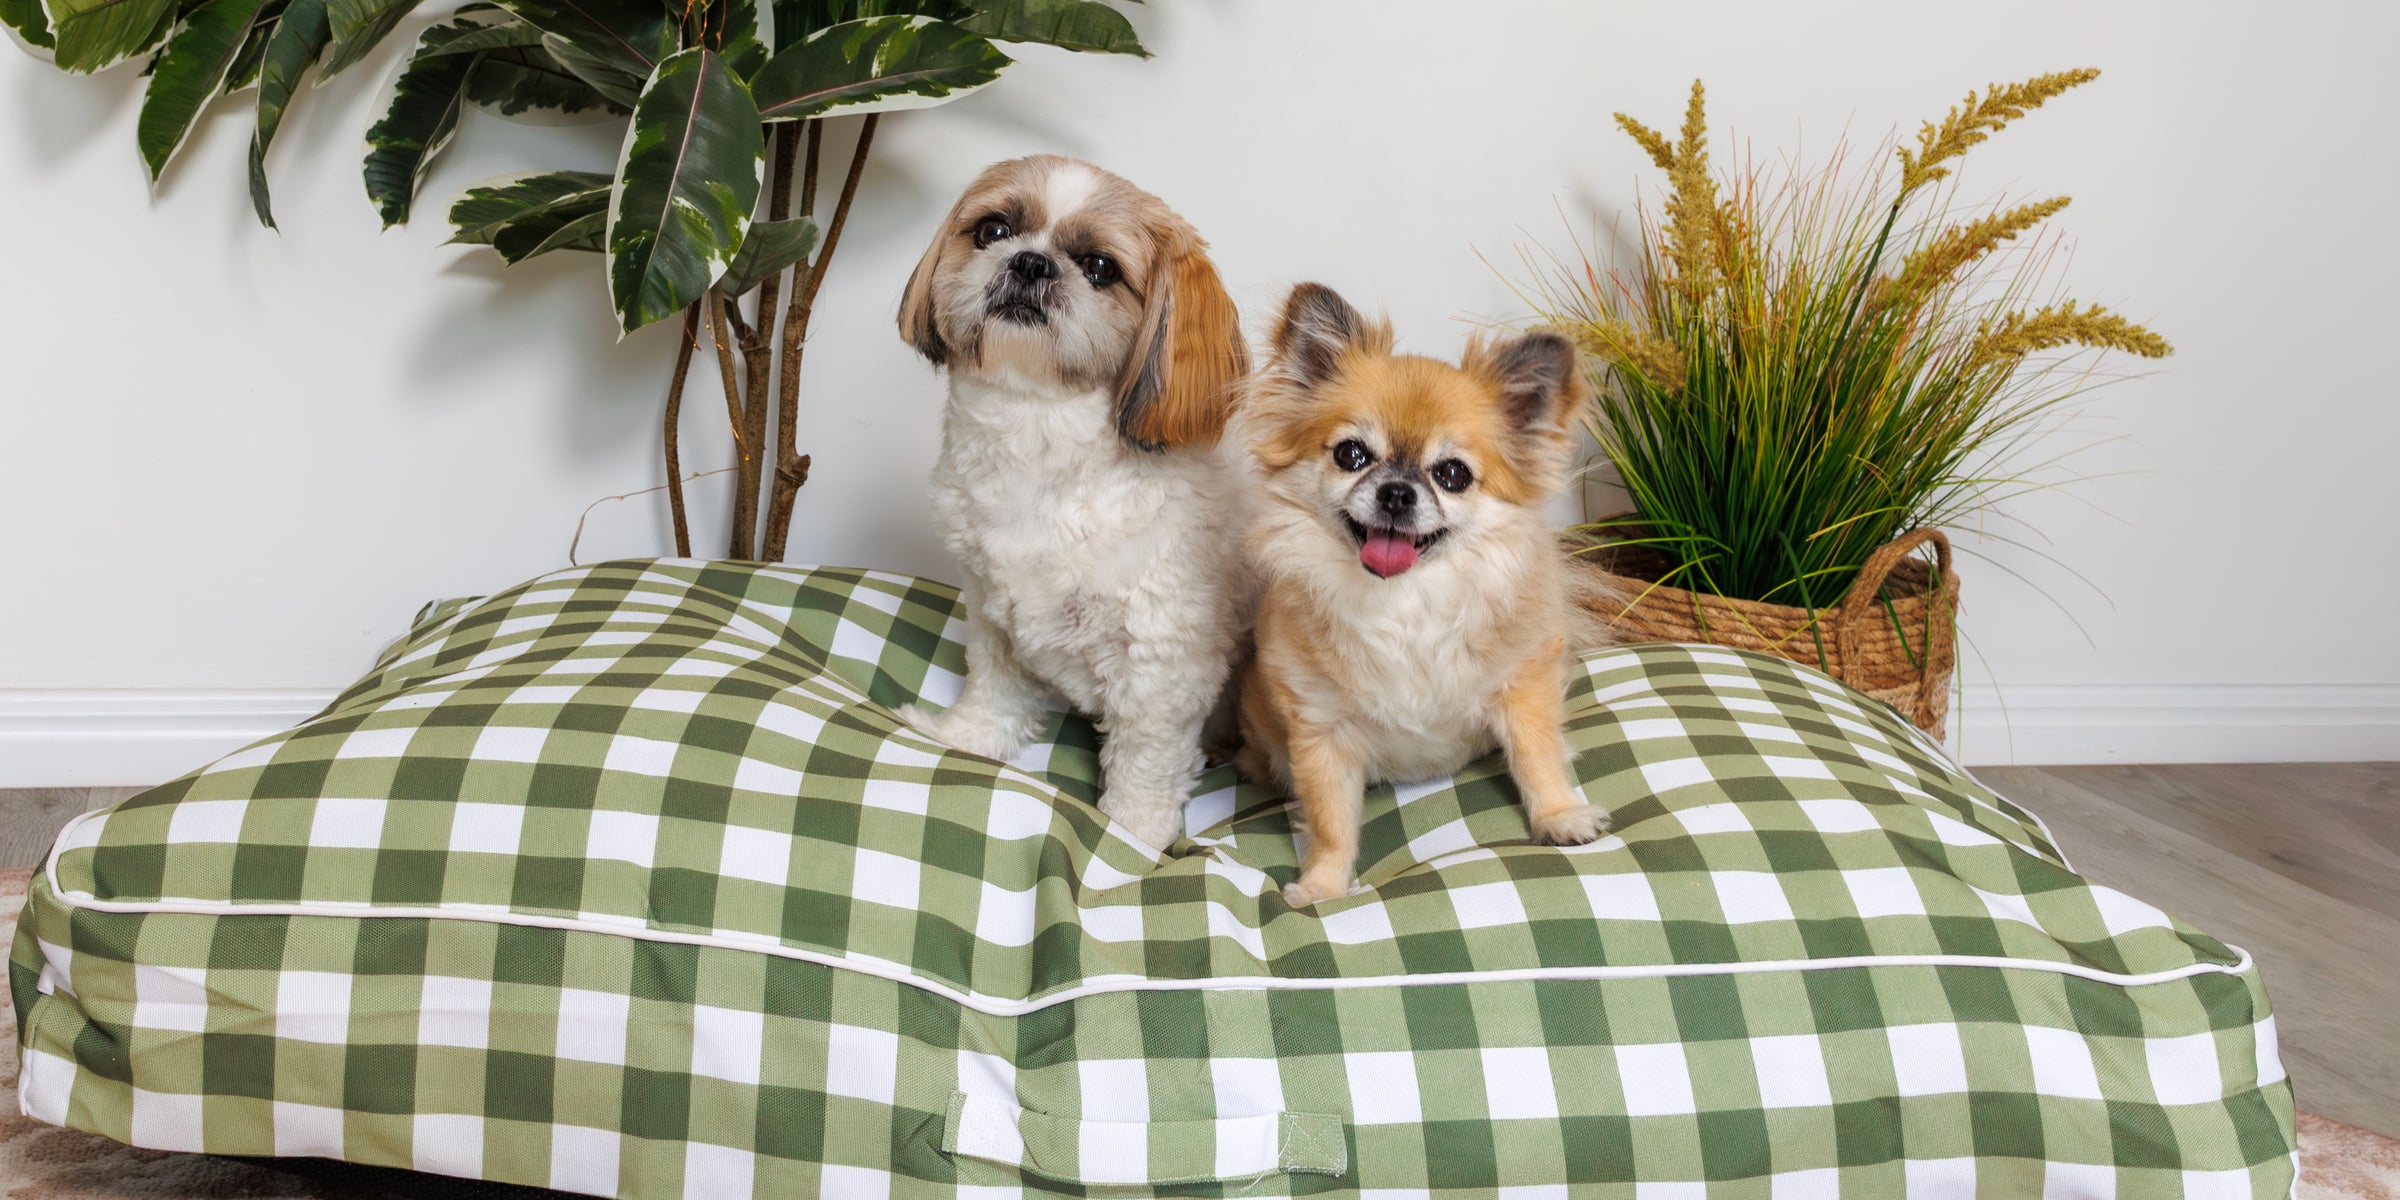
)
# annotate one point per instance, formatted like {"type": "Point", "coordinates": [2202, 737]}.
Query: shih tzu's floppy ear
{"type": "Point", "coordinates": [1188, 356]}
{"type": "Point", "coordinates": [918, 326]}
{"type": "Point", "coordinates": [1317, 327]}
{"type": "Point", "coordinates": [1540, 387]}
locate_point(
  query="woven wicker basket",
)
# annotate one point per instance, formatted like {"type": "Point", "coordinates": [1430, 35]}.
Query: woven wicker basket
{"type": "Point", "coordinates": [1891, 637]}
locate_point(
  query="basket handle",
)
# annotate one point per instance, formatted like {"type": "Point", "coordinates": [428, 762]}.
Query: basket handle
{"type": "Point", "coordinates": [1860, 599]}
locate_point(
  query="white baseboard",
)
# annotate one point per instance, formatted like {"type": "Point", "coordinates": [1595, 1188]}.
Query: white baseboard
{"type": "Point", "coordinates": [134, 738]}
{"type": "Point", "coordinates": [2201, 723]}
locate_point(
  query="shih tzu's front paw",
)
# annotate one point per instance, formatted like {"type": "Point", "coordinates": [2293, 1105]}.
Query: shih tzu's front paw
{"type": "Point", "coordinates": [1155, 820]}
{"type": "Point", "coordinates": [1571, 826]}
{"type": "Point", "coordinates": [959, 729]}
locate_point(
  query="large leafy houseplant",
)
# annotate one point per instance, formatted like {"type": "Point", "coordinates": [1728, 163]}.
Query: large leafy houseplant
{"type": "Point", "coordinates": [1796, 369]}
{"type": "Point", "coordinates": [711, 211]}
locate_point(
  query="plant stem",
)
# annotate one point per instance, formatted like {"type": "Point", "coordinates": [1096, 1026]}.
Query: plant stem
{"type": "Point", "coordinates": [743, 522]}
{"type": "Point", "coordinates": [791, 466]}
{"type": "Point", "coordinates": [683, 368]}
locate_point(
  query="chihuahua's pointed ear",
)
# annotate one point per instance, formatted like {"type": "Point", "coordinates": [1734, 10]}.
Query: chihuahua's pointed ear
{"type": "Point", "coordinates": [918, 326]}
{"type": "Point", "coordinates": [1317, 327]}
{"type": "Point", "coordinates": [1540, 386]}
{"type": "Point", "coordinates": [1188, 358]}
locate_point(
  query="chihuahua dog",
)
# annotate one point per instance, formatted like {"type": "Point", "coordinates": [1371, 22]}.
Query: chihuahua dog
{"type": "Point", "coordinates": [1415, 607]}
{"type": "Point", "coordinates": [1093, 359]}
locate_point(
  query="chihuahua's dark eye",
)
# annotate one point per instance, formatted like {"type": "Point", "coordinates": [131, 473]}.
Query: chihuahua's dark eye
{"type": "Point", "coordinates": [1101, 270]}
{"type": "Point", "coordinates": [1452, 475]}
{"type": "Point", "coordinates": [991, 229]}
{"type": "Point", "coordinates": [1352, 455]}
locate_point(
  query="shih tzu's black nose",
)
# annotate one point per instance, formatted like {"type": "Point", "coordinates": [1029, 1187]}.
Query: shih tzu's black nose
{"type": "Point", "coordinates": [1396, 499]}
{"type": "Point", "coordinates": [1032, 266]}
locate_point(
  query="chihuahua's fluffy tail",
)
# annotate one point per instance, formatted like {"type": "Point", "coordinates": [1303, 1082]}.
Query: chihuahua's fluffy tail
{"type": "Point", "coordinates": [1594, 599]}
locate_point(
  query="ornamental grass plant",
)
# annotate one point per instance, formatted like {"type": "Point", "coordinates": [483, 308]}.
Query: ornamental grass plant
{"type": "Point", "coordinates": [1796, 366]}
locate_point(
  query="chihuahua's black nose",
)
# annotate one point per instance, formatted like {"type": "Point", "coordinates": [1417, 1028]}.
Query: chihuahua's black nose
{"type": "Point", "coordinates": [1032, 266]}
{"type": "Point", "coordinates": [1396, 499]}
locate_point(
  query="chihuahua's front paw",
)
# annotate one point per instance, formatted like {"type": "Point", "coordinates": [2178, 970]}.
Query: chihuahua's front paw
{"type": "Point", "coordinates": [1155, 820]}
{"type": "Point", "coordinates": [1305, 891]}
{"type": "Point", "coordinates": [1571, 826]}
{"type": "Point", "coordinates": [959, 729]}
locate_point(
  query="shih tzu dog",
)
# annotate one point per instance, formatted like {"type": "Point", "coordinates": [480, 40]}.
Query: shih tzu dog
{"type": "Point", "coordinates": [1093, 360]}
{"type": "Point", "coordinates": [1416, 607]}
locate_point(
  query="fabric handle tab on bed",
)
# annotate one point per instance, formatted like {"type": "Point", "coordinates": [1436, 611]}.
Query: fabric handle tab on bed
{"type": "Point", "coordinates": [1227, 1149]}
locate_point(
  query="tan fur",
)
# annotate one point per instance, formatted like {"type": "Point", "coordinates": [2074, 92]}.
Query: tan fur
{"type": "Point", "coordinates": [1357, 678]}
{"type": "Point", "coordinates": [1192, 341]}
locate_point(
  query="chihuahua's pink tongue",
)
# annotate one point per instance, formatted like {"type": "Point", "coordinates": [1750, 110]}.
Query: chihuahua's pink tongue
{"type": "Point", "coordinates": [1387, 554]}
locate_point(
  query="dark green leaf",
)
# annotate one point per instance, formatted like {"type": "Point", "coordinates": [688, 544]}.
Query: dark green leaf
{"type": "Point", "coordinates": [91, 35]}
{"type": "Point", "coordinates": [196, 60]}
{"type": "Point", "coordinates": [514, 81]}
{"type": "Point", "coordinates": [795, 20]}
{"type": "Point", "coordinates": [418, 123]}
{"type": "Point", "coordinates": [299, 38]}
{"type": "Point", "coordinates": [630, 37]}
{"type": "Point", "coordinates": [253, 54]}
{"type": "Point", "coordinates": [1071, 24]}
{"type": "Point", "coordinates": [26, 19]}
{"type": "Point", "coordinates": [882, 64]}
{"type": "Point", "coordinates": [767, 250]}
{"type": "Point", "coordinates": [687, 183]}
{"type": "Point", "coordinates": [484, 209]}
{"type": "Point", "coordinates": [601, 72]}
{"type": "Point", "coordinates": [552, 231]}
{"type": "Point", "coordinates": [358, 27]}
{"type": "Point", "coordinates": [508, 33]}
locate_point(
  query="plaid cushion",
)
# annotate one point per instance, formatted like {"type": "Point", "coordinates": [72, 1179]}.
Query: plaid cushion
{"type": "Point", "coordinates": [626, 881]}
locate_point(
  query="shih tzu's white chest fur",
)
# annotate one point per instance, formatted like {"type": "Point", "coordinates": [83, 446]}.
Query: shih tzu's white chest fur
{"type": "Point", "coordinates": [1096, 558]}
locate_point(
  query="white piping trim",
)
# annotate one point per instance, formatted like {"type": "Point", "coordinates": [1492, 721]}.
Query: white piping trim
{"type": "Point", "coordinates": [1106, 984]}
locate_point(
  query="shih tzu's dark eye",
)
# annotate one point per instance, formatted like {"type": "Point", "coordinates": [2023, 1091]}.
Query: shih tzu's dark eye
{"type": "Point", "coordinates": [1101, 270]}
{"type": "Point", "coordinates": [991, 229]}
{"type": "Point", "coordinates": [1452, 475]}
{"type": "Point", "coordinates": [1352, 455]}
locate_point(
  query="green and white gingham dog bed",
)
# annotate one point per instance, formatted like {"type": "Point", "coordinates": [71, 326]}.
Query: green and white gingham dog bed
{"type": "Point", "coordinates": [626, 882]}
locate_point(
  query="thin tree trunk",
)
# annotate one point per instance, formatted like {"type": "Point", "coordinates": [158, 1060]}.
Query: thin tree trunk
{"type": "Point", "coordinates": [683, 368]}
{"type": "Point", "coordinates": [791, 466]}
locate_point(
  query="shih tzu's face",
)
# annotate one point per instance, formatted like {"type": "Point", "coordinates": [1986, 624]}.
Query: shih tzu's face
{"type": "Point", "coordinates": [1399, 459]}
{"type": "Point", "coordinates": [1051, 274]}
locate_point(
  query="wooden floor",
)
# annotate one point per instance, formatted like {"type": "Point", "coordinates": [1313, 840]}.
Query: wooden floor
{"type": "Point", "coordinates": [2299, 864]}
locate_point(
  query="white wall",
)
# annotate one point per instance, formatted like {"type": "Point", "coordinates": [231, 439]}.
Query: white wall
{"type": "Point", "coordinates": [233, 461]}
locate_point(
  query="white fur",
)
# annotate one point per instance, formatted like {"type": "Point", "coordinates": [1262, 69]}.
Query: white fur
{"type": "Point", "coordinates": [1098, 574]}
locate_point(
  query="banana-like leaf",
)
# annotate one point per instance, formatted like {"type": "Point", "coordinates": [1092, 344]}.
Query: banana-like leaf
{"type": "Point", "coordinates": [767, 250]}
{"type": "Point", "coordinates": [26, 19]}
{"type": "Point", "coordinates": [300, 36]}
{"type": "Point", "coordinates": [513, 81]}
{"type": "Point", "coordinates": [92, 35]}
{"type": "Point", "coordinates": [881, 64]}
{"type": "Point", "coordinates": [796, 20]}
{"type": "Point", "coordinates": [602, 72]}
{"type": "Point", "coordinates": [532, 239]}
{"type": "Point", "coordinates": [189, 72]}
{"type": "Point", "coordinates": [358, 27]}
{"type": "Point", "coordinates": [687, 182]}
{"type": "Point", "coordinates": [486, 208]}
{"type": "Point", "coordinates": [423, 114]}
{"type": "Point", "coordinates": [1069, 24]}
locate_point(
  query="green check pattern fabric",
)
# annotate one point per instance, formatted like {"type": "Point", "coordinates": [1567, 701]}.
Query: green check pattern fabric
{"type": "Point", "coordinates": [627, 882]}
